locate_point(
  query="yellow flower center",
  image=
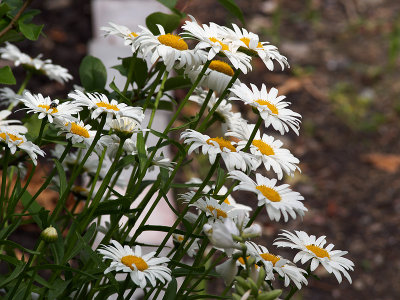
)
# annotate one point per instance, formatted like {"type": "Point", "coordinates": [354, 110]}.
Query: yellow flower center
{"type": "Point", "coordinates": [241, 260]}
{"type": "Point", "coordinates": [12, 137]}
{"type": "Point", "coordinates": [227, 201]}
{"type": "Point", "coordinates": [270, 257]}
{"type": "Point", "coordinates": [180, 238]}
{"type": "Point", "coordinates": [222, 67]}
{"type": "Point", "coordinates": [79, 189]}
{"type": "Point", "coordinates": [269, 193]}
{"type": "Point", "coordinates": [47, 107]}
{"type": "Point", "coordinates": [271, 106]}
{"type": "Point", "coordinates": [134, 34]}
{"type": "Point", "coordinates": [79, 130]}
{"type": "Point", "coordinates": [107, 106]}
{"type": "Point", "coordinates": [173, 40]}
{"type": "Point", "coordinates": [225, 47]}
{"type": "Point", "coordinates": [220, 212]}
{"type": "Point", "coordinates": [247, 42]}
{"type": "Point", "coordinates": [129, 260]}
{"type": "Point", "coordinates": [264, 148]}
{"type": "Point", "coordinates": [318, 251]}
{"type": "Point", "coordinates": [222, 143]}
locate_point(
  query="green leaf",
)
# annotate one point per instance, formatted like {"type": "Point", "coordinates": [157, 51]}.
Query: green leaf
{"type": "Point", "coordinates": [58, 288]}
{"type": "Point", "coordinates": [170, 293]}
{"type": "Point", "coordinates": [13, 275]}
{"type": "Point", "coordinates": [4, 8]}
{"type": "Point", "coordinates": [14, 245]}
{"type": "Point", "coordinates": [169, 22]}
{"type": "Point", "coordinates": [11, 36]}
{"type": "Point", "coordinates": [93, 73]}
{"type": "Point", "coordinates": [34, 208]}
{"type": "Point", "coordinates": [126, 161]}
{"type": "Point", "coordinates": [168, 3]}
{"type": "Point", "coordinates": [141, 151]}
{"type": "Point", "coordinates": [6, 76]}
{"type": "Point", "coordinates": [63, 268]}
{"type": "Point", "coordinates": [30, 31]}
{"type": "Point", "coordinates": [179, 82]}
{"type": "Point", "coordinates": [57, 248]}
{"type": "Point", "coordinates": [139, 67]}
{"type": "Point", "coordinates": [232, 7]}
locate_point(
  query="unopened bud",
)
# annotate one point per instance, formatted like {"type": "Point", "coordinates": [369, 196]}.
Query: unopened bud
{"type": "Point", "coordinates": [49, 235]}
{"type": "Point", "coordinates": [252, 231]}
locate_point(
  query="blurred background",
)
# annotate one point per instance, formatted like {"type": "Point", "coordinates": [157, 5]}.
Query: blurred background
{"type": "Point", "coordinates": [345, 82]}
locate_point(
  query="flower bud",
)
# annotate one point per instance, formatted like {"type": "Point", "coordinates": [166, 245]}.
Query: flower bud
{"type": "Point", "coordinates": [49, 235]}
{"type": "Point", "coordinates": [252, 231]}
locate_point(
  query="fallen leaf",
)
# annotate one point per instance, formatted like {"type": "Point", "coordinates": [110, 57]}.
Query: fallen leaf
{"type": "Point", "coordinates": [386, 162]}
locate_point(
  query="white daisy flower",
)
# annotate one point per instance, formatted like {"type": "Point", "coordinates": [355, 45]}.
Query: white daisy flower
{"type": "Point", "coordinates": [313, 248]}
{"type": "Point", "coordinates": [46, 107]}
{"type": "Point", "coordinates": [77, 131]}
{"type": "Point", "coordinates": [172, 48]}
{"type": "Point", "coordinates": [212, 37]}
{"type": "Point", "coordinates": [287, 270]}
{"type": "Point", "coordinates": [249, 43]}
{"type": "Point", "coordinates": [125, 126]}
{"type": "Point", "coordinates": [55, 72]}
{"type": "Point", "coordinates": [14, 140]}
{"type": "Point", "coordinates": [9, 97]}
{"type": "Point", "coordinates": [277, 199]}
{"type": "Point", "coordinates": [194, 247]}
{"type": "Point", "coordinates": [123, 32]}
{"type": "Point", "coordinates": [143, 269]}
{"type": "Point", "coordinates": [162, 162]}
{"type": "Point", "coordinates": [216, 77]}
{"type": "Point", "coordinates": [10, 124]}
{"type": "Point", "coordinates": [229, 200]}
{"type": "Point", "coordinates": [214, 146]}
{"type": "Point", "coordinates": [112, 143]}
{"type": "Point", "coordinates": [266, 149]}
{"type": "Point", "coordinates": [271, 107]}
{"type": "Point", "coordinates": [100, 103]}
{"type": "Point", "coordinates": [213, 209]}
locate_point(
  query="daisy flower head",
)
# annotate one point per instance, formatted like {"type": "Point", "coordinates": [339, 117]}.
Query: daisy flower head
{"type": "Point", "coordinates": [144, 269]}
{"type": "Point", "coordinates": [220, 235]}
{"type": "Point", "coordinates": [211, 37]}
{"type": "Point", "coordinates": [270, 106]}
{"type": "Point", "coordinates": [194, 247]}
{"type": "Point", "coordinates": [101, 104]}
{"type": "Point", "coordinates": [217, 76]}
{"type": "Point", "coordinates": [213, 209]}
{"type": "Point", "coordinates": [10, 124]}
{"type": "Point", "coordinates": [46, 107]}
{"type": "Point", "coordinates": [125, 126]}
{"type": "Point", "coordinates": [15, 141]}
{"type": "Point", "coordinates": [266, 149]}
{"type": "Point", "coordinates": [121, 31]}
{"type": "Point", "coordinates": [54, 72]}
{"type": "Point", "coordinates": [313, 248]}
{"type": "Point", "coordinates": [76, 130]}
{"type": "Point", "coordinates": [280, 265]}
{"type": "Point", "coordinates": [278, 200]}
{"type": "Point", "coordinates": [249, 43]}
{"type": "Point", "coordinates": [214, 146]}
{"type": "Point", "coordinates": [172, 48]}
{"type": "Point", "coordinates": [9, 97]}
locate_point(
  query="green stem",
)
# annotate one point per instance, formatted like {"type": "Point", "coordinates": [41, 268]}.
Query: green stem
{"type": "Point", "coordinates": [4, 181]}
{"type": "Point", "coordinates": [130, 73]}
{"type": "Point", "coordinates": [153, 88]}
{"type": "Point", "coordinates": [203, 108]}
{"type": "Point", "coordinates": [42, 126]}
{"type": "Point", "coordinates": [253, 134]}
{"type": "Point", "coordinates": [214, 108]}
{"type": "Point", "coordinates": [254, 216]}
{"type": "Point", "coordinates": [25, 82]}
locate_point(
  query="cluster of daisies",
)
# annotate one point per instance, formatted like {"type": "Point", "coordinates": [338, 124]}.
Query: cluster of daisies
{"type": "Point", "coordinates": [242, 148]}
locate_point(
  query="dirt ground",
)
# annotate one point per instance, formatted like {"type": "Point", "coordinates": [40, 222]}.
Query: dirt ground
{"type": "Point", "coordinates": [344, 81]}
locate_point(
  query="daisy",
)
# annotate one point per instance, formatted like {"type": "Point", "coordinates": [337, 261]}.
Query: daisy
{"type": "Point", "coordinates": [266, 149]}
{"type": "Point", "coordinates": [112, 143]}
{"type": "Point", "coordinates": [171, 48]}
{"type": "Point", "coordinates": [229, 200]}
{"type": "Point", "coordinates": [9, 97]}
{"type": "Point", "coordinates": [216, 77]}
{"type": "Point", "coordinates": [220, 235]}
{"type": "Point", "coordinates": [211, 37]}
{"type": "Point", "coordinates": [214, 146]}
{"type": "Point", "coordinates": [14, 140]}
{"type": "Point", "coordinates": [100, 103]}
{"type": "Point", "coordinates": [123, 32]}
{"type": "Point", "coordinates": [125, 126]}
{"type": "Point", "coordinates": [287, 270]}
{"type": "Point", "coordinates": [10, 124]}
{"type": "Point", "coordinates": [77, 131]}
{"type": "Point", "coordinates": [277, 199]}
{"type": "Point", "coordinates": [313, 248]}
{"type": "Point", "coordinates": [55, 72]}
{"type": "Point", "coordinates": [271, 107]}
{"type": "Point", "coordinates": [249, 43]}
{"type": "Point", "coordinates": [143, 269]}
{"type": "Point", "coordinates": [212, 208]}
{"type": "Point", "coordinates": [46, 107]}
